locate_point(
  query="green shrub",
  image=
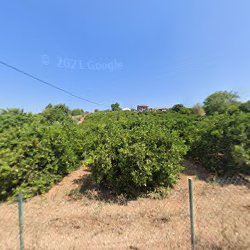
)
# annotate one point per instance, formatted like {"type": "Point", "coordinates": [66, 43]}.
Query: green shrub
{"type": "Point", "coordinates": [224, 142]}
{"type": "Point", "coordinates": [137, 160]}
{"type": "Point", "coordinates": [245, 107]}
{"type": "Point", "coordinates": [58, 113]}
{"type": "Point", "coordinates": [221, 102]}
{"type": "Point", "coordinates": [14, 118]}
{"type": "Point", "coordinates": [34, 157]}
{"type": "Point", "coordinates": [129, 152]}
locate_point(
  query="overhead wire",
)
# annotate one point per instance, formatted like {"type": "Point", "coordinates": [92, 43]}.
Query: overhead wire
{"type": "Point", "coordinates": [49, 84]}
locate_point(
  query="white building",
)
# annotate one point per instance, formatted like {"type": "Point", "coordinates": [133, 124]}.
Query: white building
{"type": "Point", "coordinates": [126, 109]}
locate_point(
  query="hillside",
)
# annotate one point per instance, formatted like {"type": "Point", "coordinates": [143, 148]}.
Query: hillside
{"type": "Point", "coordinates": [134, 194]}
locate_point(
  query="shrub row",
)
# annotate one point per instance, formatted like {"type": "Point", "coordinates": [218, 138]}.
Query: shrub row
{"type": "Point", "coordinates": [129, 152]}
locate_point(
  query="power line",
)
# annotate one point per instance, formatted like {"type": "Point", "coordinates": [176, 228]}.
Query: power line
{"type": "Point", "coordinates": [49, 84]}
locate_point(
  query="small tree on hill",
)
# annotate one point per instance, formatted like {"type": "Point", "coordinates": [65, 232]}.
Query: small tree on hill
{"type": "Point", "coordinates": [177, 107]}
{"type": "Point", "coordinates": [180, 108]}
{"type": "Point", "coordinates": [115, 106]}
{"type": "Point", "coordinates": [56, 113]}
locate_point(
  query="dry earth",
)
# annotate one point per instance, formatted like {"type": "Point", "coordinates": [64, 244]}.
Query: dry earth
{"type": "Point", "coordinates": [58, 220]}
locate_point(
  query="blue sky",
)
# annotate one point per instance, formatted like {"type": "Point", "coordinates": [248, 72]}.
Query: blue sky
{"type": "Point", "coordinates": [134, 52]}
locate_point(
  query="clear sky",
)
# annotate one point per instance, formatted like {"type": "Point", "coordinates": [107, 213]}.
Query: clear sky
{"type": "Point", "coordinates": [157, 52]}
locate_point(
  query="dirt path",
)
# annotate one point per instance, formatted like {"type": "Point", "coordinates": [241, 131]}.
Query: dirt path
{"type": "Point", "coordinates": [62, 189]}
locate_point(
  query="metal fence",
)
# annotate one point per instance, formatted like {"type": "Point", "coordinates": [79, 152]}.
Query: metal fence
{"type": "Point", "coordinates": [87, 221]}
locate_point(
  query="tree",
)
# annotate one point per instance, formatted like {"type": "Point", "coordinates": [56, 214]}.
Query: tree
{"type": "Point", "coordinates": [245, 107]}
{"type": "Point", "coordinates": [198, 109]}
{"type": "Point", "coordinates": [77, 112]}
{"type": "Point", "coordinates": [115, 106]}
{"type": "Point", "coordinates": [56, 113]}
{"type": "Point", "coordinates": [177, 107]}
{"type": "Point", "coordinates": [180, 108]}
{"type": "Point", "coordinates": [221, 102]}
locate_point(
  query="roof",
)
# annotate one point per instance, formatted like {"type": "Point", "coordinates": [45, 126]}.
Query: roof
{"type": "Point", "coordinates": [143, 105]}
{"type": "Point", "coordinates": [126, 109]}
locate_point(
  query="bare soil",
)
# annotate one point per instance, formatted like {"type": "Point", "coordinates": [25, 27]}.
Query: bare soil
{"type": "Point", "coordinates": [73, 216]}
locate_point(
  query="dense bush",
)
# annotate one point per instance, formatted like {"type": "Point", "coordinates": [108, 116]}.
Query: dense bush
{"type": "Point", "coordinates": [130, 152]}
{"type": "Point", "coordinates": [224, 142]}
{"type": "Point", "coordinates": [75, 112]}
{"type": "Point", "coordinates": [14, 118]}
{"type": "Point", "coordinates": [245, 107]}
{"type": "Point", "coordinates": [221, 102]}
{"type": "Point", "coordinates": [35, 156]}
{"type": "Point", "coordinates": [220, 141]}
{"type": "Point", "coordinates": [181, 109]}
{"type": "Point", "coordinates": [139, 159]}
{"type": "Point", "coordinates": [59, 113]}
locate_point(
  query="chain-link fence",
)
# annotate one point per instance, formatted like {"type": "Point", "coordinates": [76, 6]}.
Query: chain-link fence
{"type": "Point", "coordinates": [90, 221]}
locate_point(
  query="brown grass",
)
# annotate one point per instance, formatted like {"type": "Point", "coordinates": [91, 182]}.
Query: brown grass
{"type": "Point", "coordinates": [76, 215]}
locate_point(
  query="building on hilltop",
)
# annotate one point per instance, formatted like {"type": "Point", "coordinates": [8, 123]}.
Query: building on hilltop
{"type": "Point", "coordinates": [142, 108]}
{"type": "Point", "coordinates": [163, 109]}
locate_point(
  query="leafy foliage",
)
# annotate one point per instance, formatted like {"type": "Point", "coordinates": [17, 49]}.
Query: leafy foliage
{"type": "Point", "coordinates": [129, 152]}
{"type": "Point", "coordinates": [137, 159]}
{"type": "Point", "coordinates": [115, 106]}
{"type": "Point", "coordinates": [74, 112]}
{"type": "Point", "coordinates": [180, 108]}
{"type": "Point", "coordinates": [221, 102]}
{"type": "Point", "coordinates": [177, 107]}
{"type": "Point", "coordinates": [36, 156]}
{"type": "Point", "coordinates": [13, 118]}
{"type": "Point", "coordinates": [223, 144]}
{"type": "Point", "coordinates": [245, 107]}
{"type": "Point", "coordinates": [57, 113]}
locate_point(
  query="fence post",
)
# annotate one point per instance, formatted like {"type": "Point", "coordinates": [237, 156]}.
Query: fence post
{"type": "Point", "coordinates": [20, 213]}
{"type": "Point", "coordinates": [191, 209]}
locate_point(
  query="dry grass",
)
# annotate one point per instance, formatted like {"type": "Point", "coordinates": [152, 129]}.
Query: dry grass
{"type": "Point", "coordinates": [98, 220]}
